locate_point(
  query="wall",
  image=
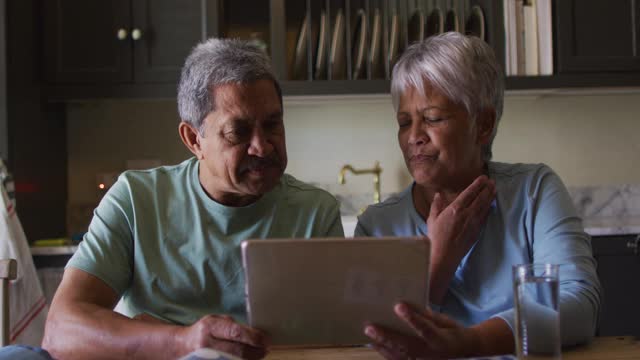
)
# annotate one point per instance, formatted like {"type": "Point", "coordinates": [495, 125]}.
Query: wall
{"type": "Point", "coordinates": [587, 139]}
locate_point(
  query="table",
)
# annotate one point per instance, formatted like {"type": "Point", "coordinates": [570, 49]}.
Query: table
{"type": "Point", "coordinates": [609, 348]}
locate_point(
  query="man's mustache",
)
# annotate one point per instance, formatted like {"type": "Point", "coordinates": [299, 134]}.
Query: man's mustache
{"type": "Point", "coordinates": [255, 162]}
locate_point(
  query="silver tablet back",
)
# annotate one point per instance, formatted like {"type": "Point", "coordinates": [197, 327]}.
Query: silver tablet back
{"type": "Point", "coordinates": [323, 291]}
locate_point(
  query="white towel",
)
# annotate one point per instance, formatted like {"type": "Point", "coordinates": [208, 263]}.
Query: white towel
{"type": "Point", "coordinates": [28, 307]}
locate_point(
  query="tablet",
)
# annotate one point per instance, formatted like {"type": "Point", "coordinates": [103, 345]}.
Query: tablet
{"type": "Point", "coordinates": [323, 291]}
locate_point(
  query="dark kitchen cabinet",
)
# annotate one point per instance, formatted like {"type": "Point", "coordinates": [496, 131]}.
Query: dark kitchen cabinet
{"type": "Point", "coordinates": [618, 269]}
{"type": "Point", "coordinates": [34, 131]}
{"type": "Point", "coordinates": [597, 36]}
{"type": "Point", "coordinates": [135, 48]}
{"type": "Point", "coordinates": [122, 41]}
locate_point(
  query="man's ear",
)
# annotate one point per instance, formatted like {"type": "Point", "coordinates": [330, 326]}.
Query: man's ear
{"type": "Point", "coordinates": [485, 123]}
{"type": "Point", "coordinates": [190, 138]}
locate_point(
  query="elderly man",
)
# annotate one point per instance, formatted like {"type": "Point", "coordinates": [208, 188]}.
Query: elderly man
{"type": "Point", "coordinates": [166, 241]}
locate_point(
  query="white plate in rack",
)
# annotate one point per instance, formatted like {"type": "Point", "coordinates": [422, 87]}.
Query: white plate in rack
{"type": "Point", "coordinates": [359, 46]}
{"type": "Point", "coordinates": [300, 55]}
{"type": "Point", "coordinates": [337, 61]}
{"type": "Point", "coordinates": [321, 53]}
{"type": "Point", "coordinates": [476, 23]}
{"type": "Point", "coordinates": [377, 70]}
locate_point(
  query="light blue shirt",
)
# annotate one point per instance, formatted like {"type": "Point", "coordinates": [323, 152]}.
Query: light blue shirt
{"type": "Point", "coordinates": [533, 220]}
{"type": "Point", "coordinates": [172, 252]}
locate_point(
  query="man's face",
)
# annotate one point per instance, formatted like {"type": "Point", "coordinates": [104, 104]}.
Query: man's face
{"type": "Point", "coordinates": [243, 150]}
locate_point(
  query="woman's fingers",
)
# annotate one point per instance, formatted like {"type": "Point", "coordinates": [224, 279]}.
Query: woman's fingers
{"type": "Point", "coordinates": [399, 345]}
{"type": "Point", "coordinates": [441, 320]}
{"type": "Point", "coordinates": [417, 321]}
{"type": "Point", "coordinates": [484, 197]}
{"type": "Point", "coordinates": [424, 321]}
{"type": "Point", "coordinates": [386, 339]}
{"type": "Point", "coordinates": [475, 213]}
{"type": "Point", "coordinates": [437, 205]}
{"type": "Point", "coordinates": [468, 195]}
{"type": "Point", "coordinates": [437, 336]}
{"type": "Point", "coordinates": [464, 200]}
{"type": "Point", "coordinates": [480, 207]}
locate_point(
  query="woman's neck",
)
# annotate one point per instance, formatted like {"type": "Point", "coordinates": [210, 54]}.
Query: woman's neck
{"type": "Point", "coordinates": [423, 194]}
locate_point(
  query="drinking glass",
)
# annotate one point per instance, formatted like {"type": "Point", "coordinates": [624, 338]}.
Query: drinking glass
{"type": "Point", "coordinates": [535, 288]}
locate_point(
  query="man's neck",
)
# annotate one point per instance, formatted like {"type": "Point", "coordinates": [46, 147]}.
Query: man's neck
{"type": "Point", "coordinates": [219, 194]}
{"type": "Point", "coordinates": [232, 199]}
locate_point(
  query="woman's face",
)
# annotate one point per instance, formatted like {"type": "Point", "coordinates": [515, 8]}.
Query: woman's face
{"type": "Point", "coordinates": [439, 140]}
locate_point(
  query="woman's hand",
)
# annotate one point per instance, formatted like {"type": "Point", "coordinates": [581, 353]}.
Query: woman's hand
{"type": "Point", "coordinates": [437, 337]}
{"type": "Point", "coordinates": [222, 333]}
{"type": "Point", "coordinates": [453, 229]}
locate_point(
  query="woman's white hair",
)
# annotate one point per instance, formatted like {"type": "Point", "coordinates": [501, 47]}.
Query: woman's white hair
{"type": "Point", "coordinates": [462, 68]}
{"type": "Point", "coordinates": [217, 62]}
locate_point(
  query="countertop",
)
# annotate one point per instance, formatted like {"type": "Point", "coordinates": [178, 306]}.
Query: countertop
{"type": "Point", "coordinates": [610, 348]}
{"type": "Point", "coordinates": [53, 250]}
{"type": "Point", "coordinates": [623, 225]}
{"type": "Point", "coordinates": [600, 226]}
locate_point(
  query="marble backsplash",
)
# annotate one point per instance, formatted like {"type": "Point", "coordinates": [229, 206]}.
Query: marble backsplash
{"type": "Point", "coordinates": [607, 201]}
{"type": "Point", "coordinates": [606, 210]}
{"type": "Point", "coordinates": [590, 201]}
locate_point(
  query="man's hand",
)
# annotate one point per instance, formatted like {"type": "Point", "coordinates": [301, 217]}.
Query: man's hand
{"type": "Point", "coordinates": [453, 230]}
{"type": "Point", "coordinates": [437, 337]}
{"type": "Point", "coordinates": [221, 332]}
{"type": "Point", "coordinates": [148, 318]}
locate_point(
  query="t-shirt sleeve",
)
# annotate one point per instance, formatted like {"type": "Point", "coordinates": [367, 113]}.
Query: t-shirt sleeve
{"type": "Point", "coordinates": [107, 248]}
{"type": "Point", "coordinates": [558, 237]}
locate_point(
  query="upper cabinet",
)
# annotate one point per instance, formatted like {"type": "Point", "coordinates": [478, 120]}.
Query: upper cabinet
{"type": "Point", "coordinates": [81, 41]}
{"type": "Point", "coordinates": [351, 46]}
{"type": "Point", "coordinates": [598, 36]}
{"type": "Point", "coordinates": [135, 48]}
{"type": "Point", "coordinates": [122, 41]}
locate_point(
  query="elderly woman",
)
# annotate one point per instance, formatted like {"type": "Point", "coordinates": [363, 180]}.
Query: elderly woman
{"type": "Point", "coordinates": [482, 217]}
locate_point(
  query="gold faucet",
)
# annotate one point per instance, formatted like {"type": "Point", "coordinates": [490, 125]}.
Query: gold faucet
{"type": "Point", "coordinates": [376, 170]}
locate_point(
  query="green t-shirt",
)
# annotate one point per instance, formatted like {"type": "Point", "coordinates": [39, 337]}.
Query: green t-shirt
{"type": "Point", "coordinates": [171, 251]}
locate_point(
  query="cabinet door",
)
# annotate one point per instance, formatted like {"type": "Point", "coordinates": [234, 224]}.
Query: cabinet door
{"type": "Point", "coordinates": [597, 36]}
{"type": "Point", "coordinates": [619, 271]}
{"type": "Point", "coordinates": [168, 31]}
{"type": "Point", "coordinates": [81, 41]}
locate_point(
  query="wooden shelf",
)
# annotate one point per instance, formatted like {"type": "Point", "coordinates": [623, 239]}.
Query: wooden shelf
{"type": "Point", "coordinates": [61, 93]}
{"type": "Point", "coordinates": [564, 81]}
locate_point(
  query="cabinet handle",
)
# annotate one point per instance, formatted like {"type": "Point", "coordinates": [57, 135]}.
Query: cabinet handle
{"type": "Point", "coordinates": [634, 244]}
{"type": "Point", "coordinates": [136, 34]}
{"type": "Point", "coordinates": [122, 34]}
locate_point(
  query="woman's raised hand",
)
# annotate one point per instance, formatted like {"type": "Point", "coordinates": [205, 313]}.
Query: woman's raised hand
{"type": "Point", "coordinates": [453, 229]}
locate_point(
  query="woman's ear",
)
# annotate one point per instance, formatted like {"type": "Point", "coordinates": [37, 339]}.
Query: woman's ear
{"type": "Point", "coordinates": [190, 138]}
{"type": "Point", "coordinates": [485, 123]}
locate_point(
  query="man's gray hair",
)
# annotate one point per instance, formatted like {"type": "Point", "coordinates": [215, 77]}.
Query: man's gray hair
{"type": "Point", "coordinates": [462, 68]}
{"type": "Point", "coordinates": [216, 62]}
